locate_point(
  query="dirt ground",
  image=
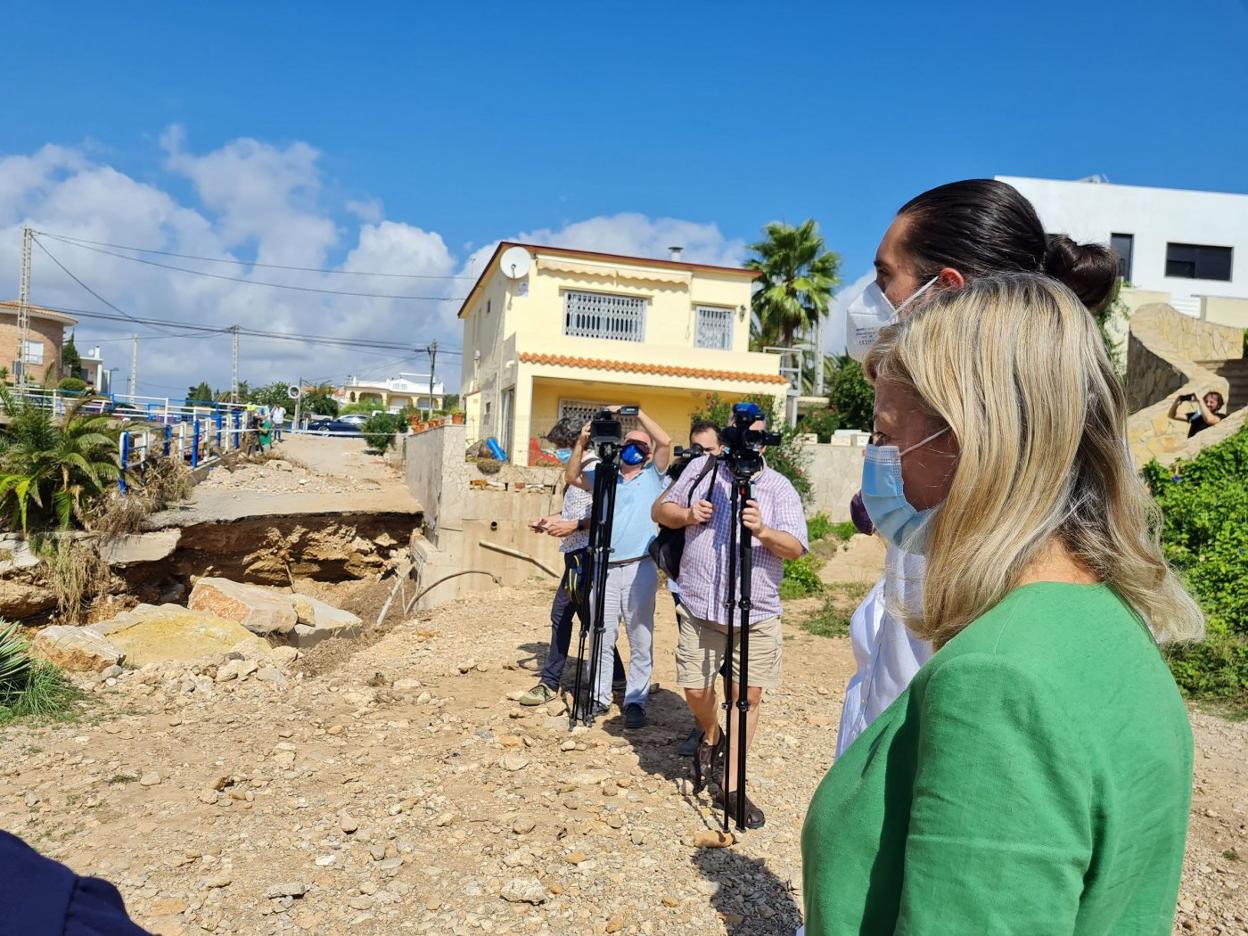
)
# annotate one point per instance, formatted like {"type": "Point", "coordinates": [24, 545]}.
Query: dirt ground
{"type": "Point", "coordinates": [403, 791]}
{"type": "Point", "coordinates": [307, 474]}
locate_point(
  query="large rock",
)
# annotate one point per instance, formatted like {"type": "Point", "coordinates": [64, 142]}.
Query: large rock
{"type": "Point", "coordinates": [261, 610]}
{"type": "Point", "coordinates": [141, 547]}
{"type": "Point", "coordinates": [319, 621]}
{"type": "Point", "coordinates": [77, 649]}
{"type": "Point", "coordinates": [158, 633]}
{"type": "Point", "coordinates": [23, 598]}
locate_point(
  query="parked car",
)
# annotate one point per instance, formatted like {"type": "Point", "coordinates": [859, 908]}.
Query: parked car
{"type": "Point", "coordinates": [334, 427]}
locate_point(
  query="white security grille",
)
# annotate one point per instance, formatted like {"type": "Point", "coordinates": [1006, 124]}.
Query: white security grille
{"type": "Point", "coordinates": [584, 410]}
{"type": "Point", "coordinates": [599, 315]}
{"type": "Point", "coordinates": [713, 328]}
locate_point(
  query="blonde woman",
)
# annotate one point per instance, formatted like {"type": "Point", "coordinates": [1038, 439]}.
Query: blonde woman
{"type": "Point", "coordinates": [1035, 776]}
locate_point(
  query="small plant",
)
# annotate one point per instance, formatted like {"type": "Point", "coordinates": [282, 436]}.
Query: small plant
{"type": "Point", "coordinates": [828, 621]}
{"type": "Point", "coordinates": [76, 573]}
{"type": "Point", "coordinates": [31, 688]}
{"type": "Point", "coordinates": [1231, 855]}
{"type": "Point", "coordinates": [820, 527]}
{"type": "Point", "coordinates": [801, 578]}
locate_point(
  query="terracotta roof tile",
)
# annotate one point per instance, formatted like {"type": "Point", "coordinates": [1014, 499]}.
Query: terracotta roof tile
{"type": "Point", "coordinates": [641, 367]}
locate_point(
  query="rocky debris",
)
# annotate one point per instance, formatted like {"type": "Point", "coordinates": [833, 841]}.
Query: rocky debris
{"type": "Point", "coordinates": [319, 621]}
{"type": "Point", "coordinates": [374, 799]}
{"type": "Point", "coordinates": [713, 838]}
{"type": "Point", "coordinates": [24, 593]}
{"type": "Point", "coordinates": [159, 633]}
{"type": "Point", "coordinates": [524, 890]}
{"type": "Point", "coordinates": [140, 547]}
{"type": "Point", "coordinates": [261, 610]}
{"type": "Point", "coordinates": [77, 649]}
{"type": "Point", "coordinates": [276, 476]}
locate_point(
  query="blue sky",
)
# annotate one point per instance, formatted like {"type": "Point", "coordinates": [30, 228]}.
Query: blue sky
{"type": "Point", "coordinates": [484, 121]}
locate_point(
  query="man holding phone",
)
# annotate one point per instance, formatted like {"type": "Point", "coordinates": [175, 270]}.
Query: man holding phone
{"type": "Point", "coordinates": [1206, 414]}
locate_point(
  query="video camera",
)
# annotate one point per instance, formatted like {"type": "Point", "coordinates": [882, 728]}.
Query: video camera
{"type": "Point", "coordinates": [605, 428]}
{"type": "Point", "coordinates": [681, 457]}
{"type": "Point", "coordinates": [743, 446]}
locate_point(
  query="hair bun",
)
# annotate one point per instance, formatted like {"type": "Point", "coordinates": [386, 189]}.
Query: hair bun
{"type": "Point", "coordinates": [1088, 270]}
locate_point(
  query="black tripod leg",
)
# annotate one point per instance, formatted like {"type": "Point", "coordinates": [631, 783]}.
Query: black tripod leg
{"type": "Point", "coordinates": [730, 606]}
{"type": "Point", "coordinates": [743, 692]}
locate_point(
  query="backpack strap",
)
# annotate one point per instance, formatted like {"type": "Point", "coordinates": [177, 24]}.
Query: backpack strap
{"type": "Point", "coordinates": [712, 463]}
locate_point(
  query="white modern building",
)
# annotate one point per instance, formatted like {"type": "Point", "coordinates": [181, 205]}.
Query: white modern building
{"type": "Point", "coordinates": [1191, 245]}
{"type": "Point", "coordinates": [394, 393]}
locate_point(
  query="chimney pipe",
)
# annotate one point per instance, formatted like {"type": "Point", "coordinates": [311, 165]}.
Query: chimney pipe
{"type": "Point", "coordinates": [676, 252]}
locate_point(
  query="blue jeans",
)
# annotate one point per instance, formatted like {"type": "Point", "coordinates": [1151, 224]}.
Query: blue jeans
{"type": "Point", "coordinates": [562, 612]}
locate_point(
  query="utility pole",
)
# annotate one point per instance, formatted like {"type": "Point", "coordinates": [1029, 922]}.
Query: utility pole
{"type": "Point", "coordinates": [234, 382]}
{"type": "Point", "coordinates": [133, 388]}
{"type": "Point", "coordinates": [819, 356]}
{"type": "Point", "coordinates": [23, 307]}
{"type": "Point", "coordinates": [294, 426]}
{"type": "Point", "coordinates": [433, 364]}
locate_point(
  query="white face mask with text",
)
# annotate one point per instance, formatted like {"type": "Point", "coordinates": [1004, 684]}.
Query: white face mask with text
{"type": "Point", "coordinates": [868, 314]}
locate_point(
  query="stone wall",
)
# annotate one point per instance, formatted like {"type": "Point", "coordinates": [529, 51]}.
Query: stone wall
{"type": "Point", "coordinates": [1161, 363]}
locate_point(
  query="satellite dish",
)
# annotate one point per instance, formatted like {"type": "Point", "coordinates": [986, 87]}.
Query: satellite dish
{"type": "Point", "coordinates": [293, 392]}
{"type": "Point", "coordinates": [515, 262]}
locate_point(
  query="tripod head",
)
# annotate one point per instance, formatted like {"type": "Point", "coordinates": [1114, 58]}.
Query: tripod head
{"type": "Point", "coordinates": [606, 432]}
{"type": "Point", "coordinates": [744, 444]}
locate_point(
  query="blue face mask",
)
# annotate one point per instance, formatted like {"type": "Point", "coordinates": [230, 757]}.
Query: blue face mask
{"type": "Point", "coordinates": [884, 496]}
{"type": "Point", "coordinates": [634, 453]}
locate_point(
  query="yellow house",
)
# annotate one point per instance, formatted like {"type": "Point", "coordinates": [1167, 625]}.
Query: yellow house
{"type": "Point", "coordinates": [551, 332]}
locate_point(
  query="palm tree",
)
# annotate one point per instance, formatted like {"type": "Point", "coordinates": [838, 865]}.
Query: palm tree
{"type": "Point", "coordinates": [799, 276]}
{"type": "Point", "coordinates": [57, 470]}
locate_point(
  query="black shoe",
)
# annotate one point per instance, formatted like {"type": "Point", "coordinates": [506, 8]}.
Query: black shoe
{"type": "Point", "coordinates": [689, 746]}
{"type": "Point", "coordinates": [634, 716]}
{"type": "Point", "coordinates": [754, 818]}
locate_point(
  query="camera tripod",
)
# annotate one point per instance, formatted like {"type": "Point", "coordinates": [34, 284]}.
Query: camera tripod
{"type": "Point", "coordinates": [740, 567]}
{"type": "Point", "coordinates": [602, 515]}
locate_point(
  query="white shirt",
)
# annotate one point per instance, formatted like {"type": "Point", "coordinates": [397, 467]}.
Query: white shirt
{"type": "Point", "coordinates": [887, 655]}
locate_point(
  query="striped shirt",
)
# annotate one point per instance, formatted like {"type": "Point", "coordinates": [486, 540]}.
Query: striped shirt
{"type": "Point", "coordinates": [703, 580]}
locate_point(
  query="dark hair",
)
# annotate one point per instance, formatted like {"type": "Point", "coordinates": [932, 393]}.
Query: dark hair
{"type": "Point", "coordinates": [981, 226]}
{"type": "Point", "coordinates": [1221, 399]}
{"type": "Point", "coordinates": [564, 432]}
{"type": "Point", "coordinates": [703, 425]}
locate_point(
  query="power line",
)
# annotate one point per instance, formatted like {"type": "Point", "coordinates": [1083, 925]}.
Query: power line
{"type": "Point", "coordinates": [66, 271]}
{"type": "Point", "coordinates": [81, 241]}
{"type": "Point", "coordinates": [249, 282]}
{"type": "Point", "coordinates": [329, 340]}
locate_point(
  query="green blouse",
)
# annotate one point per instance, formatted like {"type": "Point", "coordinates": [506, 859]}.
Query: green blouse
{"type": "Point", "coordinates": [1035, 778]}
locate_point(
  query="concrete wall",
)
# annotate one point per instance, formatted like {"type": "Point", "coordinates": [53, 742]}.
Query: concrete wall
{"type": "Point", "coordinates": [1224, 311]}
{"type": "Point", "coordinates": [835, 472]}
{"type": "Point", "coordinates": [460, 518]}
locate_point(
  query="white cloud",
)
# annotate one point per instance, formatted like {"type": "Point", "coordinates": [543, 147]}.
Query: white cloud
{"type": "Point", "coordinates": [834, 327]}
{"type": "Point", "coordinates": [255, 201]}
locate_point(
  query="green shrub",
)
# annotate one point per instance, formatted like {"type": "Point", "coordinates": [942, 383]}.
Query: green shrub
{"type": "Point", "coordinates": [30, 687]}
{"type": "Point", "coordinates": [1205, 537]}
{"type": "Point", "coordinates": [823, 423]}
{"type": "Point", "coordinates": [379, 429]}
{"type": "Point", "coordinates": [801, 578]}
{"type": "Point", "coordinates": [72, 385]}
{"type": "Point", "coordinates": [818, 526]}
{"type": "Point", "coordinates": [828, 621]}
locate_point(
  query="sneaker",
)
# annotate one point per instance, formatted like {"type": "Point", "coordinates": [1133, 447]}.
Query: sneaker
{"type": "Point", "coordinates": [634, 716]}
{"type": "Point", "coordinates": [538, 695]}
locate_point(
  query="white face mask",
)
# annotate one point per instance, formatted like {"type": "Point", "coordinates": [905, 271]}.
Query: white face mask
{"type": "Point", "coordinates": [868, 314]}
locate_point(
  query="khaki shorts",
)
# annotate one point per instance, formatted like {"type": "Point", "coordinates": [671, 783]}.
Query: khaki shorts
{"type": "Point", "coordinates": [701, 646]}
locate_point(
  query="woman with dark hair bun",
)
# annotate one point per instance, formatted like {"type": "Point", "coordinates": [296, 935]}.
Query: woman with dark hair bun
{"type": "Point", "coordinates": [941, 240]}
